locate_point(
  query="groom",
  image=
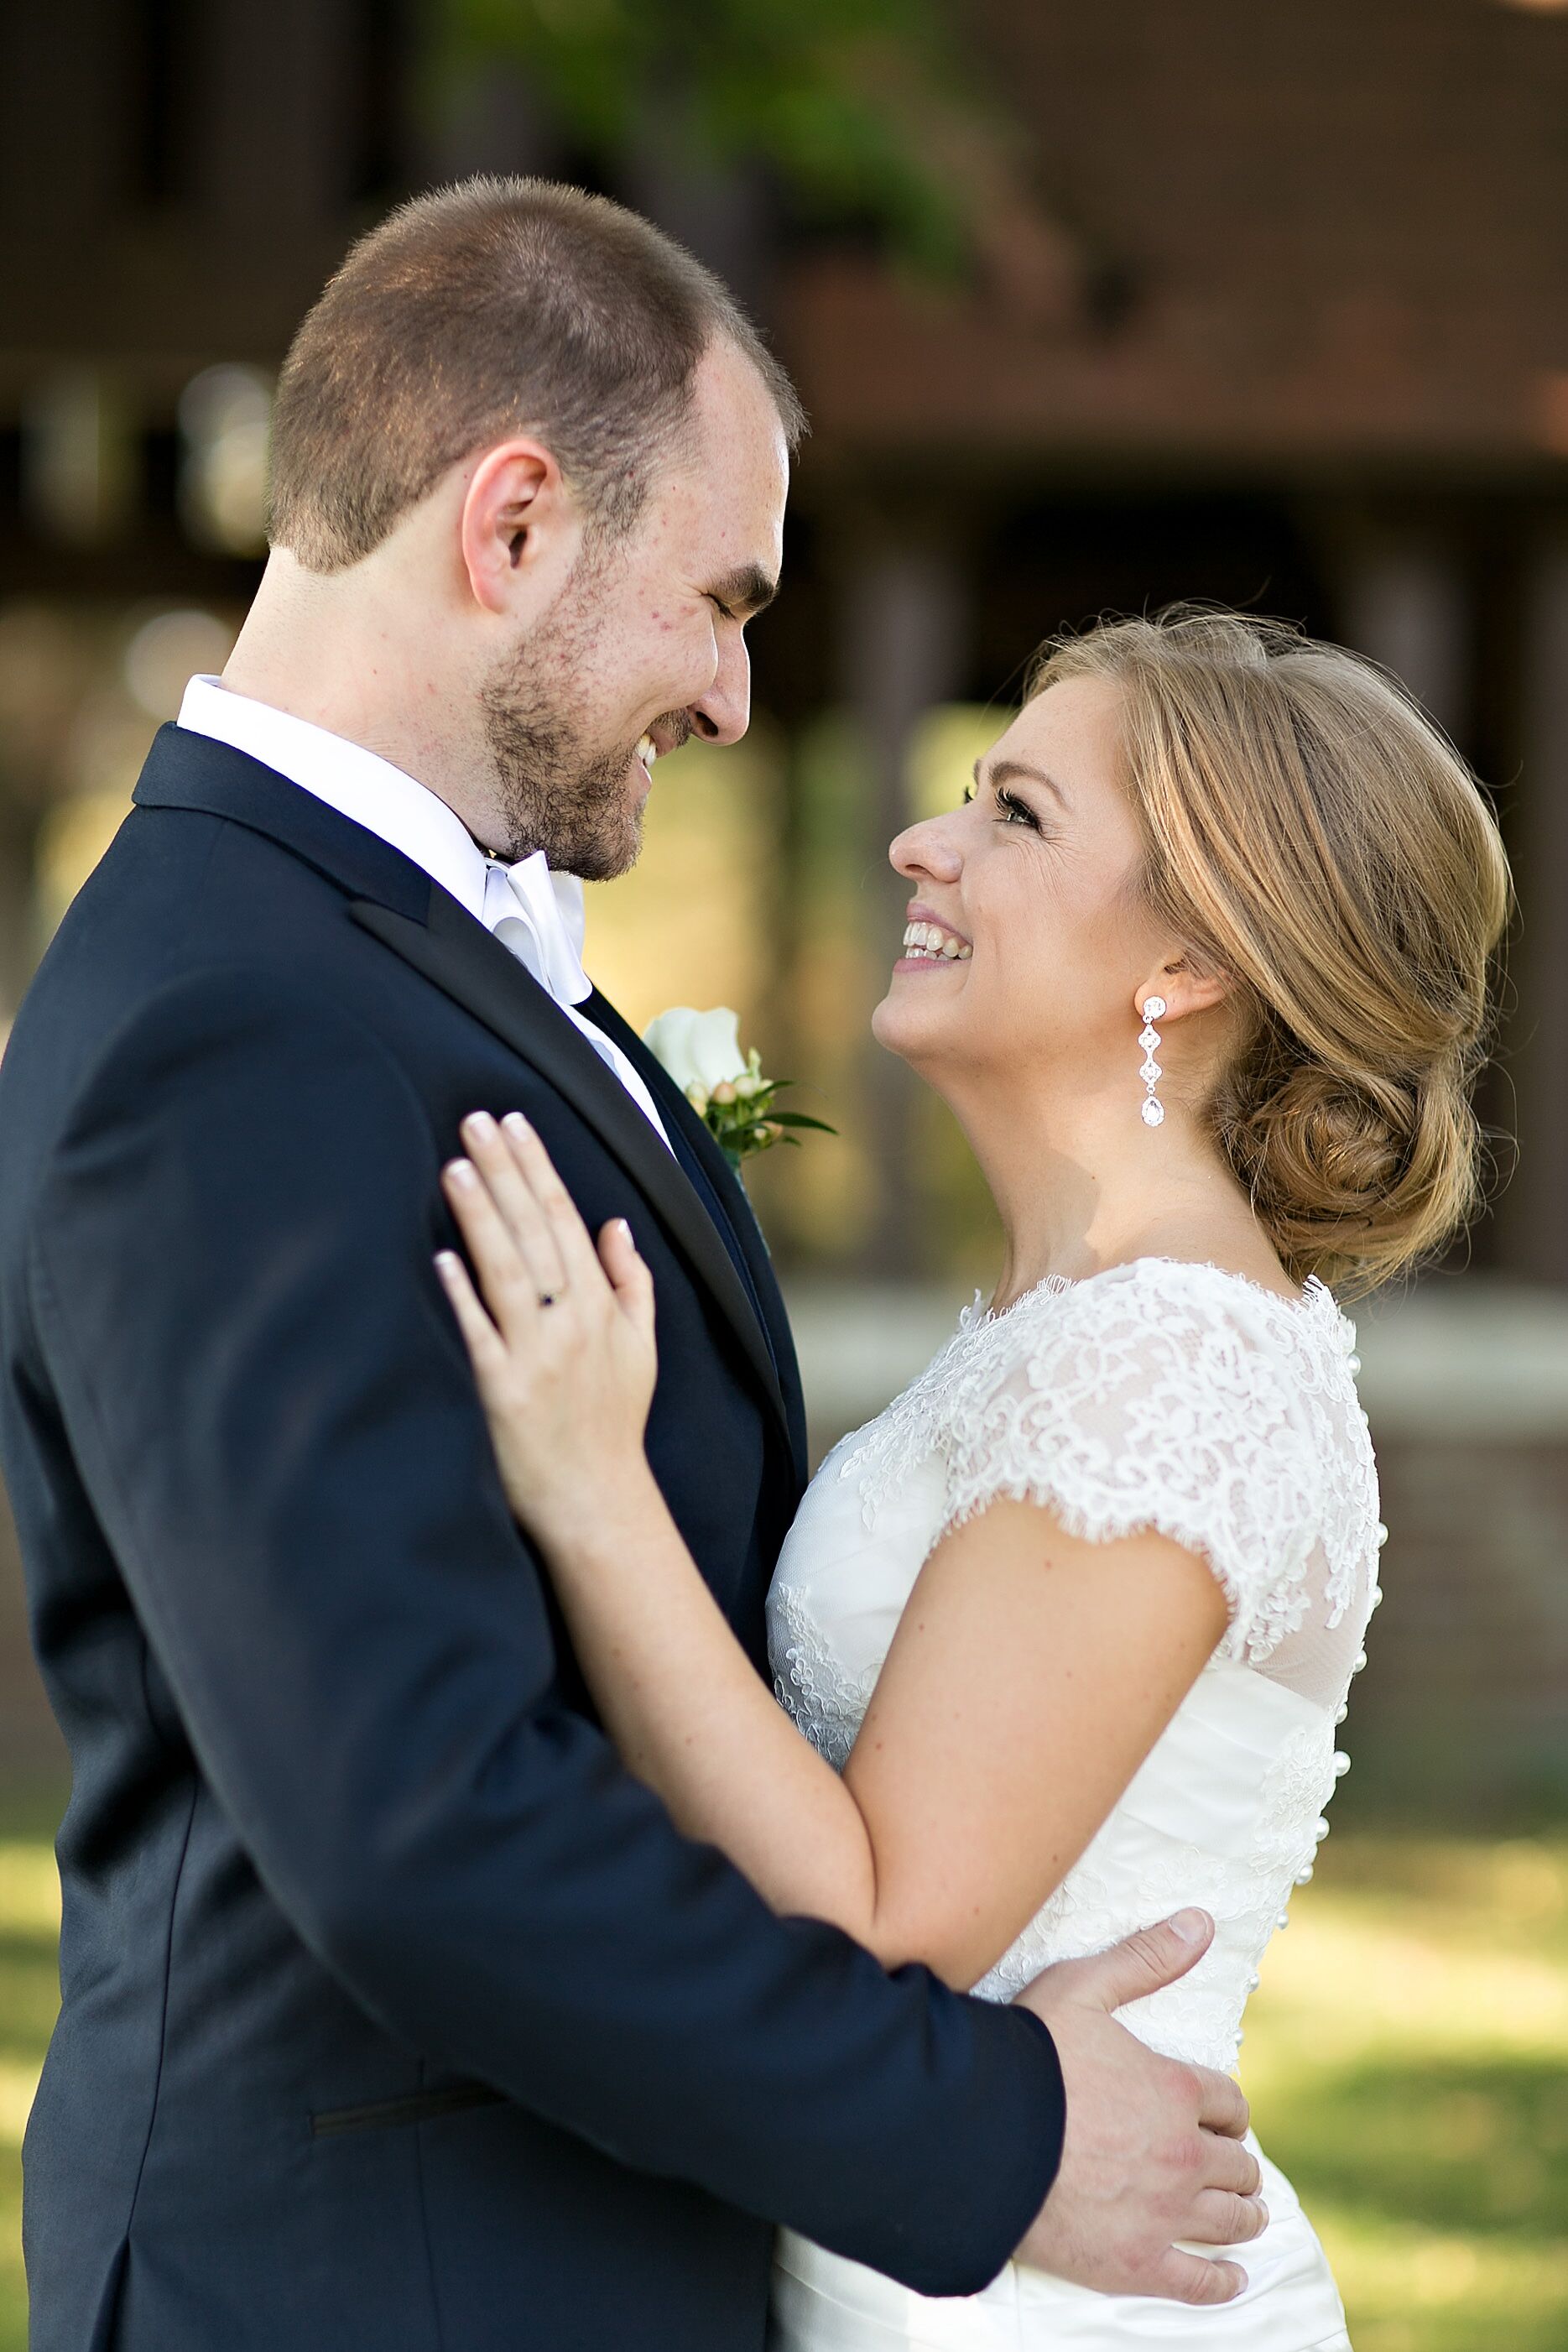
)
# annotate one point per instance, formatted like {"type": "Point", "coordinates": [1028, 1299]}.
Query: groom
{"type": "Point", "coordinates": [396, 2016]}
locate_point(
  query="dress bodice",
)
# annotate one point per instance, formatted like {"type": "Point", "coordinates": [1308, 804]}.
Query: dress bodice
{"type": "Point", "coordinates": [1157, 1396]}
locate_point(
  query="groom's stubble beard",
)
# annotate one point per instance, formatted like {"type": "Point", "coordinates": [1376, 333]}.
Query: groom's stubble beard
{"type": "Point", "coordinates": [558, 791]}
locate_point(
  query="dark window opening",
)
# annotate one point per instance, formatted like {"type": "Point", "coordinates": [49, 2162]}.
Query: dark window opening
{"type": "Point", "coordinates": [383, 49]}
{"type": "Point", "coordinates": [159, 46]}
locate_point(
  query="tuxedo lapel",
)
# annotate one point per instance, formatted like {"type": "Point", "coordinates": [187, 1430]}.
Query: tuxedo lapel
{"type": "Point", "coordinates": [188, 770]}
{"type": "Point", "coordinates": [462, 958]}
{"type": "Point", "coordinates": [396, 900]}
{"type": "Point", "coordinates": [734, 1200]}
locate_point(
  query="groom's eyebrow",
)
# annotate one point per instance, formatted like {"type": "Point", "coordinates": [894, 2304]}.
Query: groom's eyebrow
{"type": "Point", "coordinates": [745, 591]}
{"type": "Point", "coordinates": [1005, 771]}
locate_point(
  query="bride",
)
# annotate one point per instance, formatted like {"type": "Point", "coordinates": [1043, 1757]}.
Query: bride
{"type": "Point", "coordinates": [1201, 967]}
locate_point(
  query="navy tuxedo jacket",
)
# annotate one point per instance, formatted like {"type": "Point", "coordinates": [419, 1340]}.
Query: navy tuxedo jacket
{"type": "Point", "coordinates": [396, 2016]}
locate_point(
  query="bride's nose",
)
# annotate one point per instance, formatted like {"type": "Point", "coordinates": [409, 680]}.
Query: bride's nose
{"type": "Point", "coordinates": [927, 850]}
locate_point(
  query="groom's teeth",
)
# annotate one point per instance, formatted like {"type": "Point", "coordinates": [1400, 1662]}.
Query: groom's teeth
{"type": "Point", "coordinates": [647, 751]}
{"type": "Point", "coordinates": [930, 941]}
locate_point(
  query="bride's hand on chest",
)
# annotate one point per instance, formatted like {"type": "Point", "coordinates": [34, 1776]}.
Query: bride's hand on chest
{"type": "Point", "coordinates": [560, 1329]}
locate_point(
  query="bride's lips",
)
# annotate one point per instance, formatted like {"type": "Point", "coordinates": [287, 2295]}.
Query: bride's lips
{"type": "Point", "coordinates": [930, 942]}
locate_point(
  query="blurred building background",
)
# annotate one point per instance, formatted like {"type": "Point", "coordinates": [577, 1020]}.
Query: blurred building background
{"type": "Point", "coordinates": [1092, 307]}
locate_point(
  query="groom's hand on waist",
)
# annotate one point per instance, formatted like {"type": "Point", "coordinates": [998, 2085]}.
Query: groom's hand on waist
{"type": "Point", "coordinates": [1153, 2154]}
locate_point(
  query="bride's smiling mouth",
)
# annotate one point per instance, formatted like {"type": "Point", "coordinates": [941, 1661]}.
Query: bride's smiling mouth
{"type": "Point", "coordinates": [929, 944]}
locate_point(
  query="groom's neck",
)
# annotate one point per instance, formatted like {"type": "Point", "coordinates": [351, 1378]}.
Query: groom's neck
{"type": "Point", "coordinates": [336, 651]}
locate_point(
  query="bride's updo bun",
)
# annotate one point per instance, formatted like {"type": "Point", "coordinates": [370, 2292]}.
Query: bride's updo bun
{"type": "Point", "coordinates": [1312, 835]}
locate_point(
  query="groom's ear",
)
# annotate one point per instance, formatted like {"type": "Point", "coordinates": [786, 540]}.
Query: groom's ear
{"type": "Point", "coordinates": [519, 527]}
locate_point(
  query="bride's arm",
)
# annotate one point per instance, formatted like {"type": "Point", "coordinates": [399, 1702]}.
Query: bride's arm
{"type": "Point", "coordinates": [1029, 1676]}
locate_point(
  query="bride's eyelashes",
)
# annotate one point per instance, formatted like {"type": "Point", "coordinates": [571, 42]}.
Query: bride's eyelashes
{"type": "Point", "coordinates": [1012, 810]}
{"type": "Point", "coordinates": [1016, 811]}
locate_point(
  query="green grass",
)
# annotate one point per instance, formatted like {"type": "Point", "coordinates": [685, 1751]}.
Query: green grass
{"type": "Point", "coordinates": [1407, 2064]}
{"type": "Point", "coordinates": [1407, 2060]}
{"type": "Point", "coordinates": [29, 1996]}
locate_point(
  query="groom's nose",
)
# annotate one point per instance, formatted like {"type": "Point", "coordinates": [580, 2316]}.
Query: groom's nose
{"type": "Point", "coordinates": [723, 714]}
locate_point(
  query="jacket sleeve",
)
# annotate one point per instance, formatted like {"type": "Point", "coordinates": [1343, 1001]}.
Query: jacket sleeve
{"type": "Point", "coordinates": [272, 1411]}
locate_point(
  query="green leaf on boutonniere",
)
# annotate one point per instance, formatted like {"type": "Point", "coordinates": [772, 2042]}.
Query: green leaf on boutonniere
{"type": "Point", "coordinates": [701, 1050]}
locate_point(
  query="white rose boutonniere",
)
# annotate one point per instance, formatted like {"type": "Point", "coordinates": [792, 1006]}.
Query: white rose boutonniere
{"type": "Point", "coordinates": [726, 1088]}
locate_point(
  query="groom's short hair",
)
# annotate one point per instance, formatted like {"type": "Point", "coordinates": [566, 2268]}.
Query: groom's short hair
{"type": "Point", "coordinates": [491, 308]}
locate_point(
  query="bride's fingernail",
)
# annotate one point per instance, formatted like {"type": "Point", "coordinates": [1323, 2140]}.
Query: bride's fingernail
{"type": "Point", "coordinates": [445, 1264]}
{"type": "Point", "coordinates": [624, 1230]}
{"type": "Point", "coordinates": [479, 1126]}
{"type": "Point", "coordinates": [516, 1124]}
{"type": "Point", "coordinates": [461, 1174]}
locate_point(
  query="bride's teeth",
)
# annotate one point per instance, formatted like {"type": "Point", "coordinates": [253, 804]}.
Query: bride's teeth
{"type": "Point", "coordinates": [928, 940]}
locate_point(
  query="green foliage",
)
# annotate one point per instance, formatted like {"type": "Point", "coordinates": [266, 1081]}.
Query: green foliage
{"type": "Point", "coordinates": [839, 97]}
{"type": "Point", "coordinates": [743, 1121]}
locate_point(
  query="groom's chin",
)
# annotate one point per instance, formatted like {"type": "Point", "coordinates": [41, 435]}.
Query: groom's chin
{"type": "Point", "coordinates": [610, 854]}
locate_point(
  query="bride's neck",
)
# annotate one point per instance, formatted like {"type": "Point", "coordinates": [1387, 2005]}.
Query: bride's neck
{"type": "Point", "coordinates": [1081, 1185]}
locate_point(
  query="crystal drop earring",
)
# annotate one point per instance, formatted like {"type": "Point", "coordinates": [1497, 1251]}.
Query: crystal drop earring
{"type": "Point", "coordinates": [1151, 1110]}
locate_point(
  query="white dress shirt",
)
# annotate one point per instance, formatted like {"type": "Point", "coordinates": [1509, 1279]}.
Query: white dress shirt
{"type": "Point", "coordinates": [537, 914]}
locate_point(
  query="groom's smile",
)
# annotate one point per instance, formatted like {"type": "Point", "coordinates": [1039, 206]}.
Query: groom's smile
{"type": "Point", "coordinates": [654, 621]}
{"type": "Point", "coordinates": [671, 608]}
{"type": "Point", "coordinates": [666, 735]}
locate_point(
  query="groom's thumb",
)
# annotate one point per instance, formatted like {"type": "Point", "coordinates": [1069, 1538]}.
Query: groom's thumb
{"type": "Point", "coordinates": [1141, 1964]}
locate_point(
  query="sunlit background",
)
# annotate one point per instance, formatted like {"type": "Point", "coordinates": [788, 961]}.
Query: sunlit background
{"type": "Point", "coordinates": [1092, 307]}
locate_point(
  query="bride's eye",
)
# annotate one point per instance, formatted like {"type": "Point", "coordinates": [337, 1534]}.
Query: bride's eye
{"type": "Point", "coordinates": [1016, 811]}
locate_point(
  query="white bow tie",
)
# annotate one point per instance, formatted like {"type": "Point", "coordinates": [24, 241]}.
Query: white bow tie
{"type": "Point", "coordinates": [540, 917]}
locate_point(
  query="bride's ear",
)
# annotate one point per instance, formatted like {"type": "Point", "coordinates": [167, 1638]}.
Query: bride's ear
{"type": "Point", "coordinates": [518, 529]}
{"type": "Point", "coordinates": [1186, 987]}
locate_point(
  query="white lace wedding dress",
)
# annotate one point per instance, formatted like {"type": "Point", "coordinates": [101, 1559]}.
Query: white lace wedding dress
{"type": "Point", "coordinates": [1155, 1395]}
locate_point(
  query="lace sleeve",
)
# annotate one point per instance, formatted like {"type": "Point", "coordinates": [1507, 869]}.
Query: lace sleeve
{"type": "Point", "coordinates": [1151, 1397]}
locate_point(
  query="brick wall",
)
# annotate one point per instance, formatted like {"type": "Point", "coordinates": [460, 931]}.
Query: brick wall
{"type": "Point", "coordinates": [1462, 1712]}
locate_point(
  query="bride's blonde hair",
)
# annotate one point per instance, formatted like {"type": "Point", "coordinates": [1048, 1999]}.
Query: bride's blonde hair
{"type": "Point", "coordinates": [1310, 834]}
